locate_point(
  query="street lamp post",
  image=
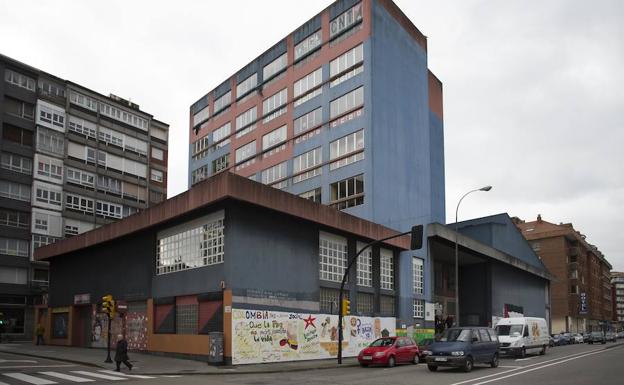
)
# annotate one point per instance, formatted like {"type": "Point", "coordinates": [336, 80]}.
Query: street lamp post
{"type": "Point", "coordinates": [485, 188]}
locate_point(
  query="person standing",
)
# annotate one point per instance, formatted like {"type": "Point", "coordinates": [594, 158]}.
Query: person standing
{"type": "Point", "coordinates": [121, 353]}
{"type": "Point", "coordinates": [40, 331]}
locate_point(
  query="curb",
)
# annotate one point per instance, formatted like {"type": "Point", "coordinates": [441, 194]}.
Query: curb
{"type": "Point", "coordinates": [220, 372]}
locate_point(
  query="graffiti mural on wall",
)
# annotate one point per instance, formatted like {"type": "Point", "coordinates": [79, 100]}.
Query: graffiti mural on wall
{"type": "Point", "coordinates": [136, 330]}
{"type": "Point", "coordinates": [270, 336]}
{"type": "Point", "coordinates": [99, 330]}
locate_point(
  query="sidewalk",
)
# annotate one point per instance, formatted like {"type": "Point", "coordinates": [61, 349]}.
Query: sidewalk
{"type": "Point", "coordinates": [159, 365]}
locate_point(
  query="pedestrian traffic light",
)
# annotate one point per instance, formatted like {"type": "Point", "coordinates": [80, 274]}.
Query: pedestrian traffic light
{"type": "Point", "coordinates": [346, 307]}
{"type": "Point", "coordinates": [417, 235]}
{"type": "Point", "coordinates": [108, 305]}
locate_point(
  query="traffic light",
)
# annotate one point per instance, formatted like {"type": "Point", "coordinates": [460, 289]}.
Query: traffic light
{"type": "Point", "coordinates": [417, 235]}
{"type": "Point", "coordinates": [108, 305]}
{"type": "Point", "coordinates": [346, 307]}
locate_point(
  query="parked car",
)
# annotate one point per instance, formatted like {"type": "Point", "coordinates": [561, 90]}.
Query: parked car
{"type": "Point", "coordinates": [567, 337]}
{"type": "Point", "coordinates": [390, 351]}
{"type": "Point", "coordinates": [551, 341]}
{"type": "Point", "coordinates": [522, 335]}
{"type": "Point", "coordinates": [577, 338]}
{"type": "Point", "coordinates": [597, 337]}
{"type": "Point", "coordinates": [424, 346]}
{"type": "Point", "coordinates": [620, 334]}
{"type": "Point", "coordinates": [557, 339]}
{"type": "Point", "coordinates": [463, 347]}
{"type": "Point", "coordinates": [586, 337]}
{"type": "Point", "coordinates": [610, 336]}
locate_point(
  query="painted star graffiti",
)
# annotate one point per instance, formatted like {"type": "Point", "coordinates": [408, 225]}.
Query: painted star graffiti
{"type": "Point", "coordinates": [309, 321]}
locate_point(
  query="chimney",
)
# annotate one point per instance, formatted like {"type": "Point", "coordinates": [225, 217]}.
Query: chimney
{"type": "Point", "coordinates": [539, 217]}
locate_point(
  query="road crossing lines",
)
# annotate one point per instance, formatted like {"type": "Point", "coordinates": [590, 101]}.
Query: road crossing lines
{"type": "Point", "coordinates": [126, 375]}
{"type": "Point", "coordinates": [99, 375]}
{"type": "Point", "coordinates": [64, 376]}
{"type": "Point", "coordinates": [75, 376]}
{"type": "Point", "coordinates": [29, 378]}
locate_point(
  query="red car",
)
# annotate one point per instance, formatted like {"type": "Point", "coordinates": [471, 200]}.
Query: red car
{"type": "Point", "coordinates": [390, 351]}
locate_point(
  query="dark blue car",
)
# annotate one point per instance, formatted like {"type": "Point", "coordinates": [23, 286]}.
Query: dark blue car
{"type": "Point", "coordinates": [463, 347]}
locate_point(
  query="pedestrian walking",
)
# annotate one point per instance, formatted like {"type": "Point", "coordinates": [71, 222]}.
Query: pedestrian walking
{"type": "Point", "coordinates": [40, 332]}
{"type": "Point", "coordinates": [121, 353]}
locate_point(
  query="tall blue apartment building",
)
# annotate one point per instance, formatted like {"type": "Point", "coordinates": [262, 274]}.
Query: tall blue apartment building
{"type": "Point", "coordinates": [343, 111]}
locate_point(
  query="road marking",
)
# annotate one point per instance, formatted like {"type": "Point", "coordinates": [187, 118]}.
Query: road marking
{"type": "Point", "coordinates": [29, 379]}
{"type": "Point", "coordinates": [541, 367]}
{"type": "Point", "coordinates": [524, 359]}
{"type": "Point", "coordinates": [523, 367]}
{"type": "Point", "coordinates": [501, 366]}
{"type": "Point", "coordinates": [124, 374]}
{"type": "Point", "coordinates": [36, 366]}
{"type": "Point", "coordinates": [64, 376]}
{"type": "Point", "coordinates": [98, 375]}
{"type": "Point", "coordinates": [31, 361]}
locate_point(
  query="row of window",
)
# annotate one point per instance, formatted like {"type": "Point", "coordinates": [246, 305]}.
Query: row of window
{"type": "Point", "coordinates": [108, 110]}
{"type": "Point", "coordinates": [329, 299]}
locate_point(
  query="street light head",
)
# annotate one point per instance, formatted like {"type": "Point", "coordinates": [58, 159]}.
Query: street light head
{"type": "Point", "coordinates": [486, 188]}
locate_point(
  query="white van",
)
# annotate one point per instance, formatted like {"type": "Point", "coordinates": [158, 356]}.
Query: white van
{"type": "Point", "coordinates": [522, 335]}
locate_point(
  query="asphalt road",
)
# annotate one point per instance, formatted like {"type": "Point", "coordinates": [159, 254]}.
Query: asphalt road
{"type": "Point", "coordinates": [18, 369]}
{"type": "Point", "coordinates": [564, 365]}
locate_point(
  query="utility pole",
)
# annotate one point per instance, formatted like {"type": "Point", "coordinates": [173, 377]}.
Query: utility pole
{"type": "Point", "coordinates": [416, 243]}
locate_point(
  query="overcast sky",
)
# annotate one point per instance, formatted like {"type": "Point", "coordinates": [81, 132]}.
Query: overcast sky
{"type": "Point", "coordinates": [533, 90]}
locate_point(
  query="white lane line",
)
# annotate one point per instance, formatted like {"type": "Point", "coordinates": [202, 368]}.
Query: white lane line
{"type": "Point", "coordinates": [501, 366]}
{"type": "Point", "coordinates": [523, 367]}
{"type": "Point", "coordinates": [524, 359]}
{"type": "Point", "coordinates": [36, 366]}
{"type": "Point", "coordinates": [64, 376]}
{"type": "Point", "coordinates": [30, 361]}
{"type": "Point", "coordinates": [98, 375]}
{"type": "Point", "coordinates": [540, 367]}
{"type": "Point", "coordinates": [30, 379]}
{"type": "Point", "coordinates": [125, 375]}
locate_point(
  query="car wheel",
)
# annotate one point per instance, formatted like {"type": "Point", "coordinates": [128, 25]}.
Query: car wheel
{"type": "Point", "coordinates": [362, 364]}
{"type": "Point", "coordinates": [416, 359]}
{"type": "Point", "coordinates": [494, 362]}
{"type": "Point", "coordinates": [523, 353]}
{"type": "Point", "coordinates": [391, 362]}
{"type": "Point", "coordinates": [432, 368]}
{"type": "Point", "coordinates": [468, 365]}
{"type": "Point", "coordinates": [543, 351]}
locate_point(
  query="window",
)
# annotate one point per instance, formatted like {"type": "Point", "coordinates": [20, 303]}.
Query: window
{"type": "Point", "coordinates": [200, 148]}
{"type": "Point", "coordinates": [156, 175]}
{"type": "Point", "coordinates": [14, 218]}
{"type": "Point", "coordinates": [274, 138]}
{"type": "Point", "coordinates": [49, 88]}
{"type": "Point", "coordinates": [274, 174]}
{"type": "Point", "coordinates": [17, 247]}
{"type": "Point", "coordinates": [274, 105]}
{"type": "Point", "coordinates": [308, 121]}
{"type": "Point", "coordinates": [40, 275]}
{"type": "Point", "coordinates": [309, 86]}
{"type": "Point", "coordinates": [186, 315]}
{"type": "Point", "coordinates": [346, 65]}
{"type": "Point", "coordinates": [71, 231]}
{"type": "Point", "coordinates": [348, 192]}
{"type": "Point", "coordinates": [201, 116]}
{"type": "Point", "coordinates": [222, 102]}
{"type": "Point", "coordinates": [574, 274]}
{"type": "Point", "coordinates": [364, 303]}
{"type": "Point", "coordinates": [386, 305]}
{"type": "Point", "coordinates": [48, 195]}
{"type": "Point", "coordinates": [158, 154]}
{"type": "Point", "coordinates": [574, 289]}
{"type": "Point", "coordinates": [312, 195]}
{"type": "Point", "coordinates": [308, 45]}
{"type": "Point", "coordinates": [83, 100]}
{"type": "Point", "coordinates": [246, 122]}
{"type": "Point", "coordinates": [274, 67]}
{"type": "Point", "coordinates": [246, 151]}
{"type": "Point", "coordinates": [199, 174]}
{"type": "Point", "coordinates": [112, 137]}
{"type": "Point", "coordinates": [418, 275]}
{"type": "Point", "coordinates": [123, 116]}
{"type": "Point", "coordinates": [345, 21]}
{"type": "Point", "coordinates": [108, 184]}
{"type": "Point", "coordinates": [18, 108]}
{"type": "Point", "coordinates": [341, 148]}
{"type": "Point", "coordinates": [332, 257]}
{"type": "Point", "coordinates": [13, 275]}
{"type": "Point", "coordinates": [16, 163]}
{"type": "Point", "coordinates": [220, 163]}
{"type": "Point", "coordinates": [49, 168]}
{"type": "Point", "coordinates": [14, 191]}
{"type": "Point", "coordinates": [82, 127]}
{"type": "Point", "coordinates": [50, 141]}
{"type": "Point", "coordinates": [192, 245]}
{"type": "Point", "coordinates": [50, 116]}
{"type": "Point", "coordinates": [17, 135]}
{"type": "Point", "coordinates": [346, 102]}
{"type": "Point", "coordinates": [80, 177]}
{"type": "Point", "coordinates": [109, 210]}
{"type": "Point", "coordinates": [47, 222]}
{"type": "Point", "coordinates": [386, 260]}
{"type": "Point", "coordinates": [94, 156]}
{"type": "Point", "coordinates": [328, 300]}
{"type": "Point", "coordinates": [365, 267]}
{"type": "Point", "coordinates": [19, 80]}
{"type": "Point", "coordinates": [246, 86]}
{"type": "Point", "coordinates": [42, 240]}
{"type": "Point", "coordinates": [79, 203]}
{"type": "Point", "coordinates": [419, 308]}
{"type": "Point", "coordinates": [307, 165]}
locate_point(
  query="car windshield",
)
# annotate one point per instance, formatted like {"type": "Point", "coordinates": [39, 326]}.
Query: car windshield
{"type": "Point", "coordinates": [382, 342]}
{"type": "Point", "coordinates": [509, 330]}
{"type": "Point", "coordinates": [452, 335]}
